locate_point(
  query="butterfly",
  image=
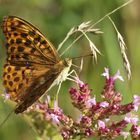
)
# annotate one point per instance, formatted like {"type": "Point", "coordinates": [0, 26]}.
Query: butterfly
{"type": "Point", "coordinates": [32, 66]}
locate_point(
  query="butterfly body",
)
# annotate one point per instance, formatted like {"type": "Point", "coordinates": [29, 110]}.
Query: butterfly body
{"type": "Point", "coordinates": [64, 73]}
{"type": "Point", "coordinates": [33, 65]}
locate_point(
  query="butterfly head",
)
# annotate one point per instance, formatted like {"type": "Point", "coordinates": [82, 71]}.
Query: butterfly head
{"type": "Point", "coordinates": [67, 62]}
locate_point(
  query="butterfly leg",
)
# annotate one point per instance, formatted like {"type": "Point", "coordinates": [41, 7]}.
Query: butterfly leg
{"type": "Point", "coordinates": [68, 78]}
{"type": "Point", "coordinates": [57, 93]}
{"type": "Point", "coordinates": [72, 71]}
{"type": "Point", "coordinates": [71, 77]}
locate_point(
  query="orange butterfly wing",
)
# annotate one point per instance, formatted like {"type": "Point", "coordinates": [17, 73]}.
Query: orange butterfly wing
{"type": "Point", "coordinates": [30, 58]}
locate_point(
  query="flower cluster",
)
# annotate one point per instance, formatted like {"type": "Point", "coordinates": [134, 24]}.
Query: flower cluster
{"type": "Point", "coordinates": [96, 118]}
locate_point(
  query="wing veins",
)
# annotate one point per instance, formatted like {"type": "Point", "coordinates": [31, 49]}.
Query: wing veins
{"type": "Point", "coordinates": [20, 54]}
{"type": "Point", "coordinates": [24, 26]}
{"type": "Point", "coordinates": [28, 63]}
{"type": "Point", "coordinates": [35, 92]}
{"type": "Point", "coordinates": [37, 48]}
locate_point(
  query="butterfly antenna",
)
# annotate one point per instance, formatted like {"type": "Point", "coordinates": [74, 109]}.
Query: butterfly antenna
{"type": "Point", "coordinates": [7, 117]}
{"type": "Point", "coordinates": [82, 56]}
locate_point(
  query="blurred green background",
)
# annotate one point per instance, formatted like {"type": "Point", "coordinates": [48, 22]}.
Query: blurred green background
{"type": "Point", "coordinates": [54, 18]}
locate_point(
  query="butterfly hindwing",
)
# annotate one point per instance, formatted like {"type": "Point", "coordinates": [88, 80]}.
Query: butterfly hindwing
{"type": "Point", "coordinates": [17, 79]}
{"type": "Point", "coordinates": [36, 90]}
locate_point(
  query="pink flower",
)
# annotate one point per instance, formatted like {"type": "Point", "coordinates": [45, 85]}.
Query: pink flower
{"type": "Point", "coordinates": [136, 102]}
{"type": "Point", "coordinates": [86, 121]}
{"type": "Point", "coordinates": [47, 116]}
{"type": "Point", "coordinates": [90, 102]}
{"type": "Point", "coordinates": [74, 94]}
{"type": "Point", "coordinates": [104, 104]}
{"type": "Point", "coordinates": [135, 132]}
{"type": "Point", "coordinates": [115, 77]}
{"type": "Point", "coordinates": [55, 119]}
{"type": "Point", "coordinates": [65, 133]}
{"type": "Point", "coordinates": [106, 73]}
{"type": "Point", "coordinates": [88, 131]}
{"type": "Point", "coordinates": [79, 82]}
{"type": "Point", "coordinates": [96, 116]}
{"type": "Point", "coordinates": [118, 76]}
{"type": "Point", "coordinates": [130, 118]}
{"type": "Point", "coordinates": [101, 124]}
{"type": "Point", "coordinates": [55, 114]}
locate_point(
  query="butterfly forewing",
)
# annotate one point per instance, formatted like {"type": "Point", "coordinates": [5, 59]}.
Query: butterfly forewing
{"type": "Point", "coordinates": [30, 67]}
{"type": "Point", "coordinates": [24, 41]}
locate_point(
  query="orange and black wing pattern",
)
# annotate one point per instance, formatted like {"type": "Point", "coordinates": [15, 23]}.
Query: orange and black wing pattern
{"type": "Point", "coordinates": [26, 42]}
{"type": "Point", "coordinates": [30, 57]}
